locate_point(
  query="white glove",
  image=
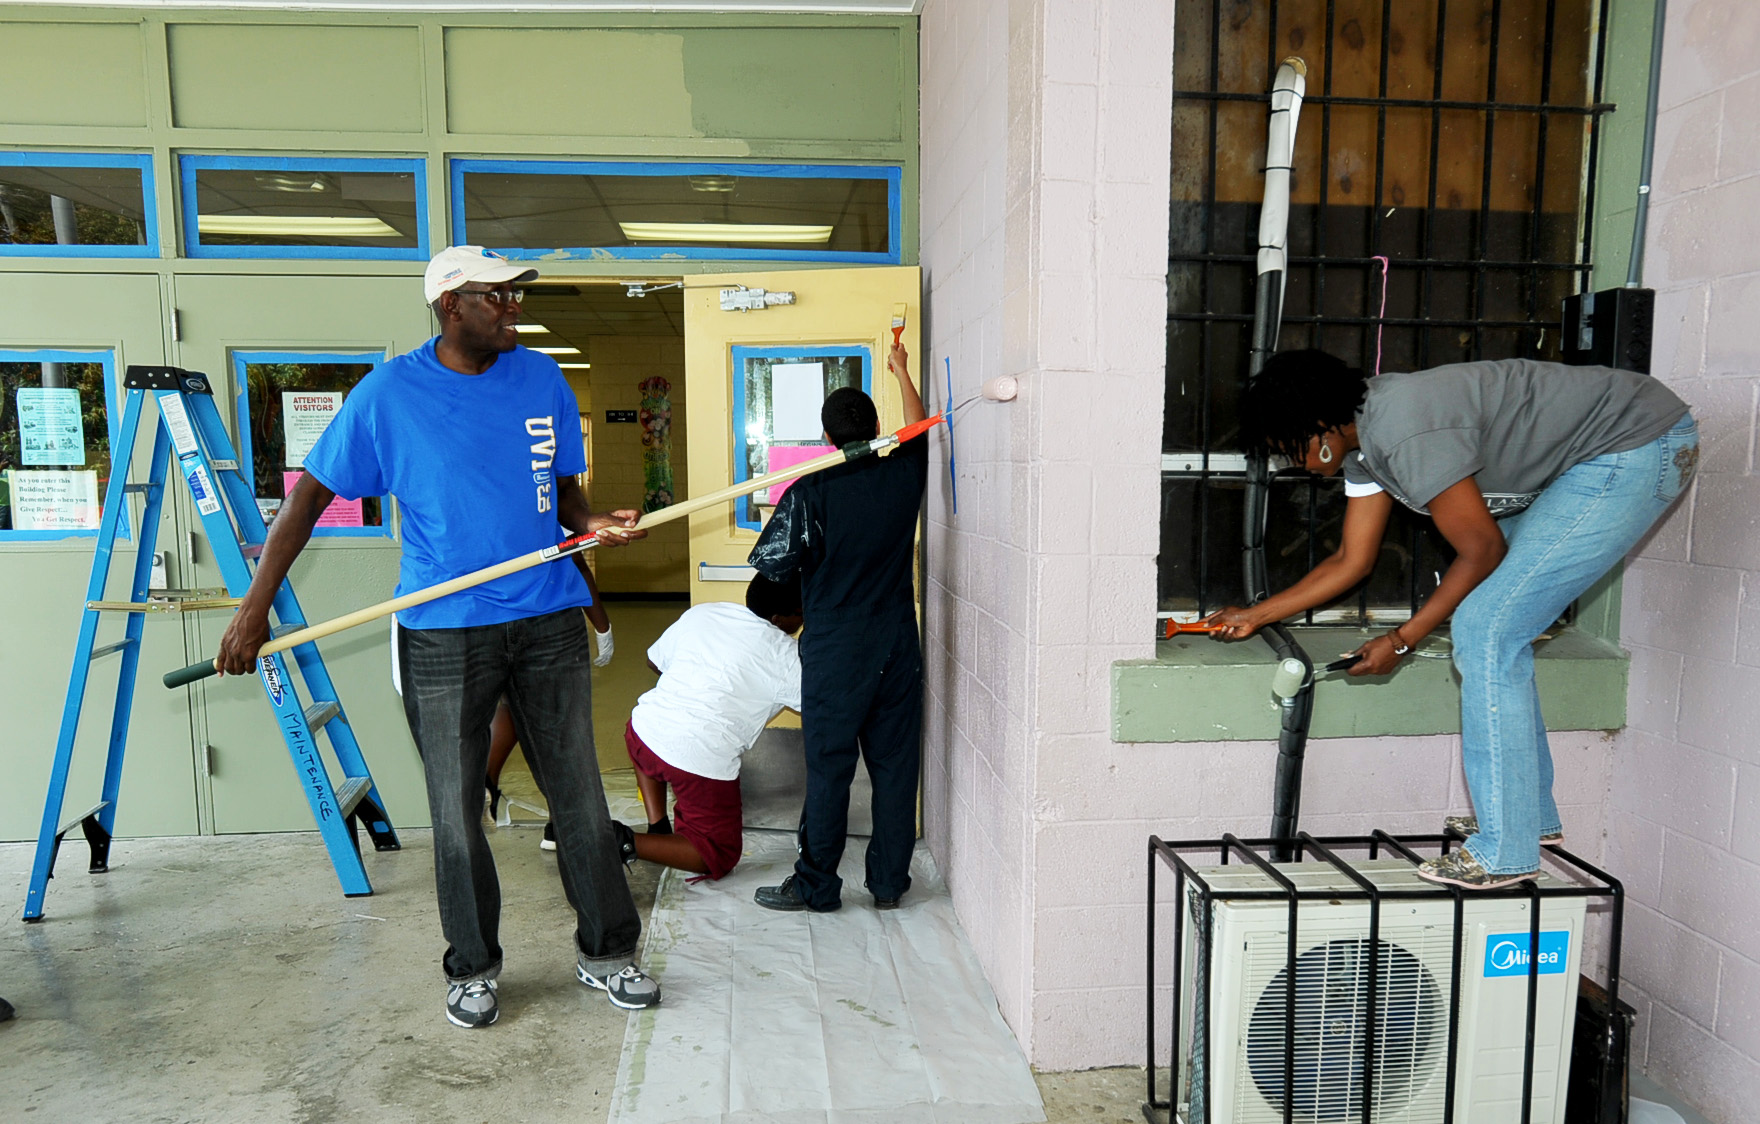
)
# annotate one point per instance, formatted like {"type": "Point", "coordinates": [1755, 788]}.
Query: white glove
{"type": "Point", "coordinates": [607, 647]}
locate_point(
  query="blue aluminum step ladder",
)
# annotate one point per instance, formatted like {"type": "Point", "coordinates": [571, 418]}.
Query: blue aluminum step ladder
{"type": "Point", "coordinates": [190, 426]}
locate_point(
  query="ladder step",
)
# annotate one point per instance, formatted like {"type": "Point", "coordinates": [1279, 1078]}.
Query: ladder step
{"type": "Point", "coordinates": [321, 712]}
{"type": "Point", "coordinates": [137, 489]}
{"type": "Point", "coordinates": [348, 797]}
{"type": "Point", "coordinates": [224, 465]}
{"type": "Point", "coordinates": [251, 549]}
{"type": "Point", "coordinates": [156, 604]}
{"type": "Point", "coordinates": [111, 649]}
{"type": "Point", "coordinates": [73, 821]}
{"type": "Point", "coordinates": [281, 630]}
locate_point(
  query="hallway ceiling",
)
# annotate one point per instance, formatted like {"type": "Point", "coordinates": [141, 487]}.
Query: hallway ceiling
{"type": "Point", "coordinates": [575, 313]}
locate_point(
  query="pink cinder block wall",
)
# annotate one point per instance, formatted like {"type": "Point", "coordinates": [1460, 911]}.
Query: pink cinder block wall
{"type": "Point", "coordinates": [1684, 801]}
{"type": "Point", "coordinates": [1045, 149]}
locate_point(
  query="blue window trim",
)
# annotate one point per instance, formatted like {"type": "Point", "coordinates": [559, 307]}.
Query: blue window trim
{"type": "Point", "coordinates": [141, 161]}
{"type": "Point", "coordinates": [891, 173]}
{"type": "Point", "coordinates": [242, 359]}
{"type": "Point", "coordinates": [743, 515]}
{"type": "Point", "coordinates": [188, 166]}
{"type": "Point", "coordinates": [113, 422]}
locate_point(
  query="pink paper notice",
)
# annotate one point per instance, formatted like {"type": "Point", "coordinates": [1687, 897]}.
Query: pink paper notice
{"type": "Point", "coordinates": [786, 456]}
{"type": "Point", "coordinates": [340, 513]}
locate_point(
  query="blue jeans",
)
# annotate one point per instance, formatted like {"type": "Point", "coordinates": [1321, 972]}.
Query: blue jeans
{"type": "Point", "coordinates": [1574, 532]}
{"type": "Point", "coordinates": [452, 680]}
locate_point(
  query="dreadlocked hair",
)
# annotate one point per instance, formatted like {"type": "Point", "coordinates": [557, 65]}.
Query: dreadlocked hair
{"type": "Point", "coordinates": [1297, 396]}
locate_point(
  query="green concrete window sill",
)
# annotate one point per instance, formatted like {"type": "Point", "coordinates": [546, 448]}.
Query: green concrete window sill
{"type": "Point", "coordinates": [1198, 690]}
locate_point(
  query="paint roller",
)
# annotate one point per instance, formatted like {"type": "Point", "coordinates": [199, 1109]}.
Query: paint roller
{"type": "Point", "coordinates": [1002, 388]}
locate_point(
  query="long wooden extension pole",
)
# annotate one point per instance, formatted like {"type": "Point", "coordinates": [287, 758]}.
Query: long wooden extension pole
{"type": "Point", "coordinates": [572, 545]}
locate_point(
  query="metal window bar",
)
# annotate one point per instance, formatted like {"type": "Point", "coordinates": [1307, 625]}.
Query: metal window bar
{"type": "Point", "coordinates": [1479, 321]}
{"type": "Point", "coordinates": [1588, 881]}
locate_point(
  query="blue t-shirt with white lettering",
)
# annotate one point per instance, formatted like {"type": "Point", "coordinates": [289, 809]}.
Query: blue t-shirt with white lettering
{"type": "Point", "coordinates": [473, 461]}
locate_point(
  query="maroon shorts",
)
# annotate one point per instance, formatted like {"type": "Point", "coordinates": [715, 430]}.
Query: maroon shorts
{"type": "Point", "coordinates": [705, 811]}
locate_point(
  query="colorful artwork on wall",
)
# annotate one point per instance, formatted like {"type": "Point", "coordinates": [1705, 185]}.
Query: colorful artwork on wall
{"type": "Point", "coordinates": [656, 421]}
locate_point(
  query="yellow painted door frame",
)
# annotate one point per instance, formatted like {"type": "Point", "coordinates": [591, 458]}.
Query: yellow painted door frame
{"type": "Point", "coordinates": [832, 307]}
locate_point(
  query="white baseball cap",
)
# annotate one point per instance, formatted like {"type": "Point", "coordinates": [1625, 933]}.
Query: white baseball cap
{"type": "Point", "coordinates": [455, 265]}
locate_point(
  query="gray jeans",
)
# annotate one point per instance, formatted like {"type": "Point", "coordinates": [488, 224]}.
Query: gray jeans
{"type": "Point", "coordinates": [452, 680]}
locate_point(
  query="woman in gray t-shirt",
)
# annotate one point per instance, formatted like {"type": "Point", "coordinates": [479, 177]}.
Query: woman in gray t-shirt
{"type": "Point", "coordinates": [1541, 477]}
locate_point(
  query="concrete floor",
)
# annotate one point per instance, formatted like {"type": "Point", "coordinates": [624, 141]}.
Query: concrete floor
{"type": "Point", "coordinates": [226, 979]}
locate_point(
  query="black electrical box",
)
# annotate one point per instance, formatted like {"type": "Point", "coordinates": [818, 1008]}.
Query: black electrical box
{"type": "Point", "coordinates": [1609, 329]}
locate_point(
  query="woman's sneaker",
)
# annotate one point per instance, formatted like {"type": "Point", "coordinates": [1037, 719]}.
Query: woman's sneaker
{"type": "Point", "coordinates": [1469, 825]}
{"type": "Point", "coordinates": [1459, 868]}
{"type": "Point", "coordinates": [629, 987]}
{"type": "Point", "coordinates": [548, 843]}
{"type": "Point", "coordinates": [471, 1003]}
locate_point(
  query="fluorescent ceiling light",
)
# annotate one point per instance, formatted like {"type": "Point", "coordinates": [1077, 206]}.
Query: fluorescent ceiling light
{"type": "Point", "coordinates": [524, 327]}
{"type": "Point", "coordinates": [575, 366]}
{"type": "Point", "coordinates": [291, 226]}
{"type": "Point", "coordinates": [558, 350]}
{"type": "Point", "coordinates": [723, 232]}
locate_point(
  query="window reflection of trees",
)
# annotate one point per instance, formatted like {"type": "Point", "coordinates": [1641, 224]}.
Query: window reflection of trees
{"type": "Point", "coordinates": [267, 382]}
{"type": "Point", "coordinates": [88, 379]}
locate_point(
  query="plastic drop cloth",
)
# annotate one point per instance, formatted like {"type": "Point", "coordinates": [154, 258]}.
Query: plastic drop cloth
{"type": "Point", "coordinates": [853, 1017]}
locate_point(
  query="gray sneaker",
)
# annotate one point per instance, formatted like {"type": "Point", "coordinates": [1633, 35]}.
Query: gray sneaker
{"type": "Point", "coordinates": [629, 987]}
{"type": "Point", "coordinates": [471, 1003]}
{"type": "Point", "coordinates": [1469, 825]}
{"type": "Point", "coordinates": [1459, 868]}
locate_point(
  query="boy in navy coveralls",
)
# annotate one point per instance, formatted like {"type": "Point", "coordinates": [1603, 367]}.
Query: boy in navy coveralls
{"type": "Point", "coordinates": [850, 532]}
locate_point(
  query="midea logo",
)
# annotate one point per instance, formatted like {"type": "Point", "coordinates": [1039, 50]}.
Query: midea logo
{"type": "Point", "coordinates": [1506, 954]}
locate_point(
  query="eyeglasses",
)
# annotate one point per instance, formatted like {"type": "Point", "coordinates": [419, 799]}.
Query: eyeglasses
{"type": "Point", "coordinates": [502, 297]}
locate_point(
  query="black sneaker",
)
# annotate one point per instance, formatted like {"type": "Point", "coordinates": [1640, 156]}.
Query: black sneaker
{"type": "Point", "coordinates": [785, 898]}
{"type": "Point", "coordinates": [548, 843]}
{"type": "Point", "coordinates": [626, 841]}
{"type": "Point", "coordinates": [472, 1003]}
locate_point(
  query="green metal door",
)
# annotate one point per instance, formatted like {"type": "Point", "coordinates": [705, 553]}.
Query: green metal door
{"type": "Point", "coordinates": [91, 325]}
{"type": "Point", "coordinates": [275, 345]}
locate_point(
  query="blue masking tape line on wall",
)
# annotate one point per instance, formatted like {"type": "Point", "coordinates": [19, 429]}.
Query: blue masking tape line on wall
{"type": "Point", "coordinates": [243, 359]}
{"type": "Point", "coordinates": [107, 359]}
{"type": "Point", "coordinates": [743, 516]}
{"type": "Point", "coordinates": [141, 161]}
{"type": "Point", "coordinates": [892, 174]}
{"type": "Point", "coordinates": [189, 165]}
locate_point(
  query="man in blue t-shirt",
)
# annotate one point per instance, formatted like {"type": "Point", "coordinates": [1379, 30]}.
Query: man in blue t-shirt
{"type": "Point", "coordinates": [479, 440]}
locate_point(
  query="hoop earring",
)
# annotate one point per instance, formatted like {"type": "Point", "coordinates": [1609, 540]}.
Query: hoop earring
{"type": "Point", "coordinates": [1325, 453]}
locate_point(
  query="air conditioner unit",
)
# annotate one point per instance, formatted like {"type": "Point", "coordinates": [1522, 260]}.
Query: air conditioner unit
{"type": "Point", "coordinates": [1248, 968]}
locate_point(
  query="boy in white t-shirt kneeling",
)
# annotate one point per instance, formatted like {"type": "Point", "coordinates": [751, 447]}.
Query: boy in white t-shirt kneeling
{"type": "Point", "coordinates": [725, 671]}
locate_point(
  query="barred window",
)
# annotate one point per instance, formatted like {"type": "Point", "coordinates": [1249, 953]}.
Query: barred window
{"type": "Point", "coordinates": [1453, 138]}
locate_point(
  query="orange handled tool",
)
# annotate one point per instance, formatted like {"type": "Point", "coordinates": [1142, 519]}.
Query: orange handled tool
{"type": "Point", "coordinates": [1176, 628]}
